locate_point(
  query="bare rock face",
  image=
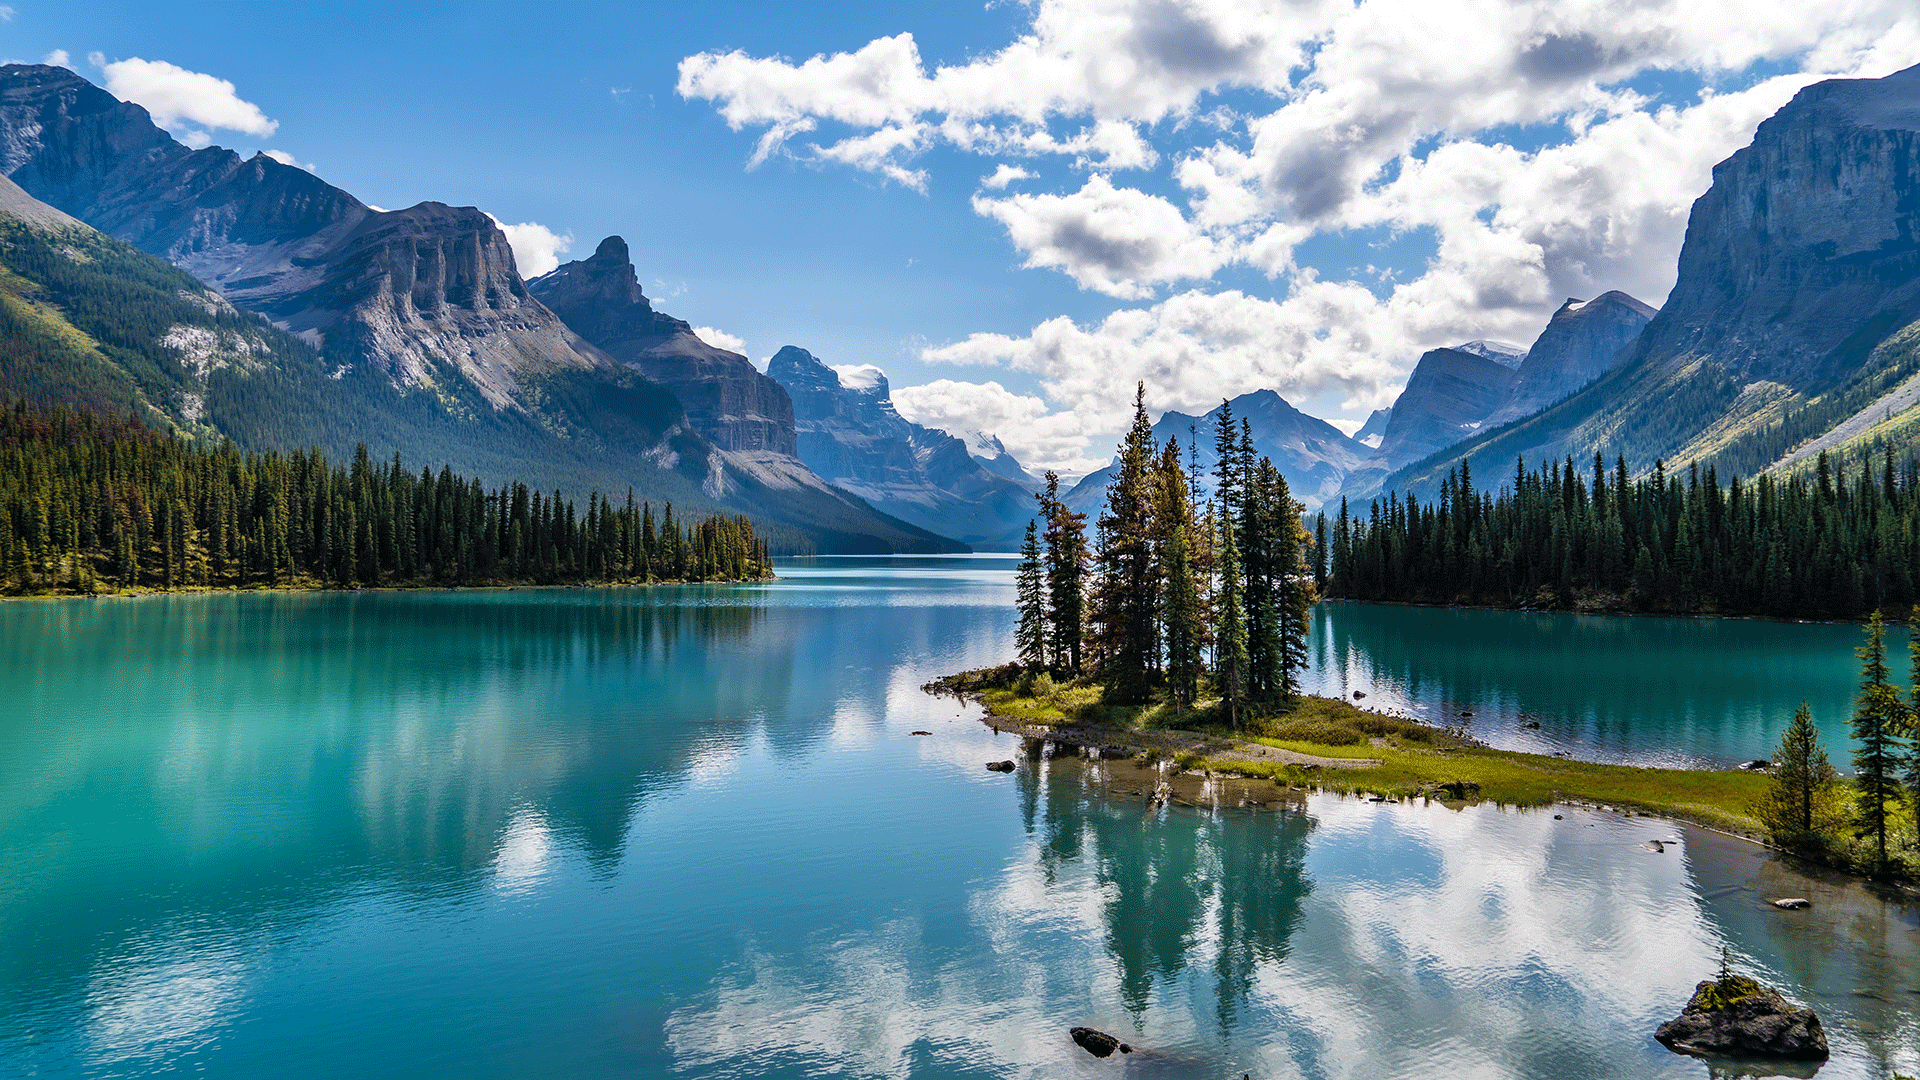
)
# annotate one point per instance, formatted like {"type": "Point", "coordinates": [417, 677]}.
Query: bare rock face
{"type": "Point", "coordinates": [1448, 397]}
{"type": "Point", "coordinates": [1734, 1016]}
{"type": "Point", "coordinates": [1582, 342]}
{"type": "Point", "coordinates": [726, 398]}
{"type": "Point", "coordinates": [849, 432]}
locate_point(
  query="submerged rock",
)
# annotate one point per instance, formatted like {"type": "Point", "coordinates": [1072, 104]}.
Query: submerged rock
{"type": "Point", "coordinates": [1793, 903]}
{"type": "Point", "coordinates": [1000, 766]}
{"type": "Point", "coordinates": [1735, 1016]}
{"type": "Point", "coordinates": [1098, 1043]}
{"type": "Point", "coordinates": [919, 732]}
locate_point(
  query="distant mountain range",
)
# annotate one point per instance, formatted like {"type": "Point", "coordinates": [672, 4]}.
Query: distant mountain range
{"type": "Point", "coordinates": [415, 331]}
{"type": "Point", "coordinates": [247, 299]}
{"type": "Point", "coordinates": [850, 433]}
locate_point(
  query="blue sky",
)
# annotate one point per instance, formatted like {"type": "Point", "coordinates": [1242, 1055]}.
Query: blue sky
{"type": "Point", "coordinates": [1217, 198]}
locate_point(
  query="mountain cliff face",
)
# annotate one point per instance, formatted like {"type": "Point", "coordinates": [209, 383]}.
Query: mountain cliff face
{"type": "Point", "coordinates": [1312, 454]}
{"type": "Point", "coordinates": [850, 433]}
{"type": "Point", "coordinates": [1374, 429]}
{"type": "Point", "coordinates": [726, 398]}
{"type": "Point", "coordinates": [1448, 397]}
{"type": "Point", "coordinates": [1580, 344]}
{"type": "Point", "coordinates": [425, 337]}
{"type": "Point", "coordinates": [1792, 323]}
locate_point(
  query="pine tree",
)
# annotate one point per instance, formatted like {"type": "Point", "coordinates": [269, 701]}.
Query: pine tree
{"type": "Point", "coordinates": [1126, 593]}
{"type": "Point", "coordinates": [1066, 558]}
{"type": "Point", "coordinates": [1230, 660]}
{"type": "Point", "coordinates": [1802, 784]}
{"type": "Point", "coordinates": [1030, 577]}
{"type": "Point", "coordinates": [1182, 622]}
{"type": "Point", "coordinates": [1880, 717]}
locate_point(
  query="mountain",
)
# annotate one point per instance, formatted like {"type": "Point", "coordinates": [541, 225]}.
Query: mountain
{"type": "Point", "coordinates": [850, 433]}
{"type": "Point", "coordinates": [1449, 395]}
{"type": "Point", "coordinates": [427, 340]}
{"type": "Point", "coordinates": [727, 399]}
{"type": "Point", "coordinates": [1374, 429]}
{"type": "Point", "coordinates": [1500, 352]}
{"type": "Point", "coordinates": [1794, 321]}
{"type": "Point", "coordinates": [992, 455]}
{"type": "Point", "coordinates": [1312, 454]}
{"type": "Point", "coordinates": [1580, 344]}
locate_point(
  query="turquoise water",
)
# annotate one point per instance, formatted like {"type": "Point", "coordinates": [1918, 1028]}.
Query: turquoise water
{"type": "Point", "coordinates": [1678, 693]}
{"type": "Point", "coordinates": [685, 832]}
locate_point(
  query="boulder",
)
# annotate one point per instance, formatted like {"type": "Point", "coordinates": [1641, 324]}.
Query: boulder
{"type": "Point", "coordinates": [999, 766]}
{"type": "Point", "coordinates": [1756, 765]}
{"type": "Point", "coordinates": [1358, 694]}
{"type": "Point", "coordinates": [1734, 1016]}
{"type": "Point", "coordinates": [919, 732]}
{"type": "Point", "coordinates": [1099, 1043]}
{"type": "Point", "coordinates": [1793, 903]}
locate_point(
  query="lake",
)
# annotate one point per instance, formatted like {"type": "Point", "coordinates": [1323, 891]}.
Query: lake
{"type": "Point", "coordinates": [685, 832]}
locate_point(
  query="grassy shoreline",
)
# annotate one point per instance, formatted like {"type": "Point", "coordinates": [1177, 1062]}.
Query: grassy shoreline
{"type": "Point", "coordinates": [1397, 759]}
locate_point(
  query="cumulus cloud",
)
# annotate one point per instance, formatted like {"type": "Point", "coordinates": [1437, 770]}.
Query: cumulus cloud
{"type": "Point", "coordinates": [1119, 241]}
{"type": "Point", "coordinates": [1536, 149]}
{"type": "Point", "coordinates": [719, 339]}
{"type": "Point", "coordinates": [536, 248]}
{"type": "Point", "coordinates": [176, 97]}
{"type": "Point", "coordinates": [1004, 175]}
{"type": "Point", "coordinates": [58, 58]}
{"type": "Point", "coordinates": [285, 158]}
{"type": "Point", "coordinates": [1022, 422]}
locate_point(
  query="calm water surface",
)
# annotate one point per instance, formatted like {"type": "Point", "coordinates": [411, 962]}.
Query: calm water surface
{"type": "Point", "coordinates": [685, 832]}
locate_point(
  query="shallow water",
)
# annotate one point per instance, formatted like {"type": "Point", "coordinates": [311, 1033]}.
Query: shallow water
{"type": "Point", "coordinates": [684, 832]}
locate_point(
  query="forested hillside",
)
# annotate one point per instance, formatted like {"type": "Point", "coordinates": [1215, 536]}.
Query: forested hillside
{"type": "Point", "coordinates": [1837, 542]}
{"type": "Point", "coordinates": [90, 503]}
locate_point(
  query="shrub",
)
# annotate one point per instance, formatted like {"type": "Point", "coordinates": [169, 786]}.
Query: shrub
{"type": "Point", "coordinates": [1318, 730]}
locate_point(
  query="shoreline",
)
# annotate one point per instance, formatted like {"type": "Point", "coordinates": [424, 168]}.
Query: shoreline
{"type": "Point", "coordinates": [209, 590]}
{"type": "Point", "coordinates": [1190, 767]}
{"type": "Point", "coordinates": [1890, 619]}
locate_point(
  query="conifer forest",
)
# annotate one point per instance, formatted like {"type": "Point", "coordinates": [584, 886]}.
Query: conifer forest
{"type": "Point", "coordinates": [93, 503]}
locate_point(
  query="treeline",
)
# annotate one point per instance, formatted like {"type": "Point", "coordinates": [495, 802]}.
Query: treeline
{"type": "Point", "coordinates": [1831, 545]}
{"type": "Point", "coordinates": [90, 501]}
{"type": "Point", "coordinates": [1172, 596]}
{"type": "Point", "coordinates": [1871, 824]}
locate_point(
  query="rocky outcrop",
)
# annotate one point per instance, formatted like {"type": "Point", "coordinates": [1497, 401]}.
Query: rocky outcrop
{"type": "Point", "coordinates": [1098, 1043]}
{"type": "Point", "coordinates": [1374, 429]}
{"type": "Point", "coordinates": [1312, 454]}
{"type": "Point", "coordinates": [1582, 342]}
{"type": "Point", "coordinates": [1799, 280]}
{"type": "Point", "coordinates": [1736, 1017]}
{"type": "Point", "coordinates": [1449, 396]}
{"type": "Point", "coordinates": [849, 432]}
{"type": "Point", "coordinates": [727, 399]}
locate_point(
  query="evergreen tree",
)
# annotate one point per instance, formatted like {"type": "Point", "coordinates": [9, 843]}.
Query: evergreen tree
{"type": "Point", "coordinates": [1880, 717]}
{"type": "Point", "coordinates": [1066, 557]}
{"type": "Point", "coordinates": [1126, 593]}
{"type": "Point", "coordinates": [1182, 622]}
{"type": "Point", "coordinates": [1230, 659]}
{"type": "Point", "coordinates": [1802, 784]}
{"type": "Point", "coordinates": [1030, 577]}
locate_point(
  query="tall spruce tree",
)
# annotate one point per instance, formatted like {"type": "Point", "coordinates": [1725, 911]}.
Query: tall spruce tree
{"type": "Point", "coordinates": [1230, 649]}
{"type": "Point", "coordinates": [1182, 622]}
{"type": "Point", "coordinates": [1126, 595]}
{"type": "Point", "coordinates": [1802, 784]}
{"type": "Point", "coordinates": [1880, 718]}
{"type": "Point", "coordinates": [1030, 579]}
{"type": "Point", "coordinates": [1066, 558]}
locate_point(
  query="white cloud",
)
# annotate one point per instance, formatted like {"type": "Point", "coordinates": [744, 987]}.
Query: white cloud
{"type": "Point", "coordinates": [6, 13]}
{"type": "Point", "coordinates": [1021, 421]}
{"type": "Point", "coordinates": [176, 96]}
{"type": "Point", "coordinates": [859, 376]}
{"type": "Point", "coordinates": [536, 248]}
{"type": "Point", "coordinates": [58, 58]}
{"type": "Point", "coordinates": [1531, 150]}
{"type": "Point", "coordinates": [1004, 175]}
{"type": "Point", "coordinates": [719, 339]}
{"type": "Point", "coordinates": [1117, 240]}
{"type": "Point", "coordinates": [285, 158]}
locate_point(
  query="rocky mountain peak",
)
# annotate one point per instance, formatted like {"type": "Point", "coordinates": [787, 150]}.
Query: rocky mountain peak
{"type": "Point", "coordinates": [1583, 341]}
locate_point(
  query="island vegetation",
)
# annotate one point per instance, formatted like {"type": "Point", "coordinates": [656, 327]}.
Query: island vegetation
{"type": "Point", "coordinates": [92, 503]}
{"type": "Point", "coordinates": [1828, 543]}
{"type": "Point", "coordinates": [1179, 631]}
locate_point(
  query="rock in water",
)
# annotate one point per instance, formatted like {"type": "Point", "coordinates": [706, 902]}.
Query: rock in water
{"type": "Point", "coordinates": [1100, 1044]}
{"type": "Point", "coordinates": [1735, 1016]}
{"type": "Point", "coordinates": [1000, 766]}
{"type": "Point", "coordinates": [1793, 903]}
